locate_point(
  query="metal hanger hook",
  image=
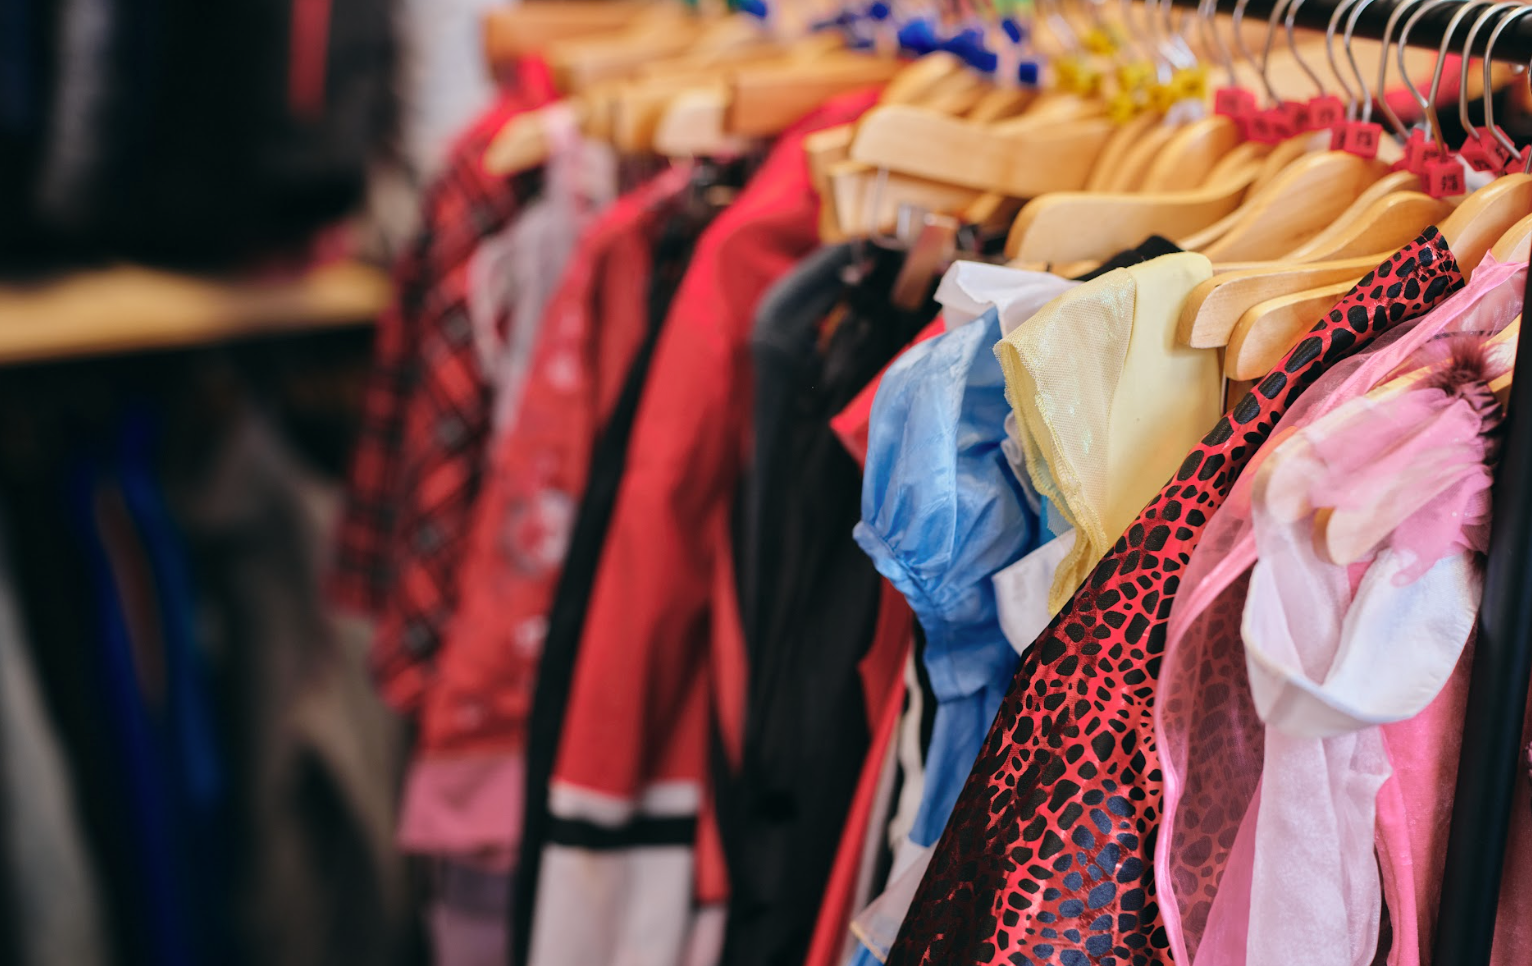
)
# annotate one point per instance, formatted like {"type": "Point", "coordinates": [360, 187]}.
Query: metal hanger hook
{"type": "Point", "coordinates": [1277, 10]}
{"type": "Point", "coordinates": [1356, 69]}
{"type": "Point", "coordinates": [1207, 13]}
{"type": "Point", "coordinates": [1292, 45]}
{"type": "Point", "coordinates": [1428, 107]}
{"type": "Point", "coordinates": [1398, 13]}
{"type": "Point", "coordinates": [1239, 44]}
{"type": "Point", "coordinates": [1353, 100]}
{"type": "Point", "coordinates": [1441, 61]}
{"type": "Point", "coordinates": [1489, 61]}
{"type": "Point", "coordinates": [1495, 10]}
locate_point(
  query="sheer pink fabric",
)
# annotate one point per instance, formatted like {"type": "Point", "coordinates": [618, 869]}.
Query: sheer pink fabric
{"type": "Point", "coordinates": [1213, 859]}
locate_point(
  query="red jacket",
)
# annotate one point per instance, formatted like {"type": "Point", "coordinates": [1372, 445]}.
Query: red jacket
{"type": "Point", "coordinates": [662, 653]}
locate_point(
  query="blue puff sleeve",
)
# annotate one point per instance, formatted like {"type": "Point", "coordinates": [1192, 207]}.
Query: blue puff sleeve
{"type": "Point", "coordinates": [941, 514]}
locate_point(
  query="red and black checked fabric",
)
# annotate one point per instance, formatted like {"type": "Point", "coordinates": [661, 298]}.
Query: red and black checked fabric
{"type": "Point", "coordinates": [1048, 859]}
{"type": "Point", "coordinates": [425, 419]}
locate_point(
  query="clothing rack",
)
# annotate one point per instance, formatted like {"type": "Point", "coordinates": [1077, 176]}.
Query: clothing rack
{"type": "Point", "coordinates": [1492, 762]}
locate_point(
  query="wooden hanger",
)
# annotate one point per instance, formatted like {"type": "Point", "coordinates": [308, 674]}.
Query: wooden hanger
{"type": "Point", "coordinates": [1389, 223]}
{"type": "Point", "coordinates": [1485, 216]}
{"type": "Point", "coordinates": [1190, 157]}
{"type": "Point", "coordinates": [824, 149]}
{"type": "Point", "coordinates": [1394, 181]}
{"type": "Point", "coordinates": [853, 194]}
{"type": "Point", "coordinates": [999, 103]}
{"type": "Point", "coordinates": [1071, 226]}
{"type": "Point", "coordinates": [523, 144]}
{"type": "Point", "coordinates": [577, 64]}
{"type": "Point", "coordinates": [1283, 155]}
{"type": "Point", "coordinates": [1295, 206]}
{"type": "Point", "coordinates": [956, 94]}
{"type": "Point", "coordinates": [1516, 244]}
{"type": "Point", "coordinates": [1501, 384]}
{"type": "Point", "coordinates": [1268, 329]}
{"type": "Point", "coordinates": [1021, 158]}
{"type": "Point", "coordinates": [511, 33]}
{"type": "Point", "coordinates": [918, 78]}
{"type": "Point", "coordinates": [1274, 159]}
{"type": "Point", "coordinates": [1130, 171]}
{"type": "Point", "coordinates": [767, 99]}
{"type": "Point", "coordinates": [1103, 176]}
{"type": "Point", "coordinates": [1214, 307]}
{"type": "Point", "coordinates": [762, 98]}
{"type": "Point", "coordinates": [656, 32]}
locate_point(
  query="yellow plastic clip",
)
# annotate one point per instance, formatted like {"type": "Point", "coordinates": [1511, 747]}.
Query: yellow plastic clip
{"type": "Point", "coordinates": [1135, 76]}
{"type": "Point", "coordinates": [1190, 83]}
{"type": "Point", "coordinates": [1098, 41]}
{"type": "Point", "coordinates": [1123, 106]}
{"type": "Point", "coordinates": [1077, 75]}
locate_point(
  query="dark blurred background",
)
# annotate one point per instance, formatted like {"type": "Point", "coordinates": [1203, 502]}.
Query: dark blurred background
{"type": "Point", "coordinates": [198, 203]}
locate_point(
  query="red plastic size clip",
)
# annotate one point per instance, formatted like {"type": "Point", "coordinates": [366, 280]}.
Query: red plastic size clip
{"type": "Point", "coordinates": [1414, 154]}
{"type": "Point", "coordinates": [1485, 153]}
{"type": "Point", "coordinates": [1325, 113]}
{"type": "Point", "coordinates": [1272, 125]}
{"type": "Point", "coordinates": [1442, 173]}
{"type": "Point", "coordinates": [1297, 114]}
{"type": "Point", "coordinates": [1360, 138]}
{"type": "Point", "coordinates": [1238, 104]}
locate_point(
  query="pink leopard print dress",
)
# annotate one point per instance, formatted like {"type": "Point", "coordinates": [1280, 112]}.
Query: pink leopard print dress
{"type": "Point", "coordinates": [1048, 857]}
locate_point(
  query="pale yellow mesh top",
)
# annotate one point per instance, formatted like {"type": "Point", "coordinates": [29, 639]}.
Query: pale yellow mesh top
{"type": "Point", "coordinates": [1107, 403]}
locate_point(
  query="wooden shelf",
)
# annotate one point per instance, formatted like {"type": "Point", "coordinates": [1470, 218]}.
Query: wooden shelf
{"type": "Point", "coordinates": [129, 309]}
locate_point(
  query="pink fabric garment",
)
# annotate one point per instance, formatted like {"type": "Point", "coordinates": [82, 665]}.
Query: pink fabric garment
{"type": "Point", "coordinates": [1330, 659]}
{"type": "Point", "coordinates": [1207, 715]}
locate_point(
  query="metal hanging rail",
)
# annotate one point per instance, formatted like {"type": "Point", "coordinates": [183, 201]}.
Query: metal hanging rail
{"type": "Point", "coordinates": [1514, 45]}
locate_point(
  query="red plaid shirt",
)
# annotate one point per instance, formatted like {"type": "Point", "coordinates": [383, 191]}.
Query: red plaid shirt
{"type": "Point", "coordinates": [425, 420]}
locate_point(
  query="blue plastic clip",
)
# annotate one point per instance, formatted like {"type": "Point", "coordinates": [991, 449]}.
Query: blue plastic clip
{"type": "Point", "coordinates": [918, 36]}
{"type": "Point", "coordinates": [969, 46]}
